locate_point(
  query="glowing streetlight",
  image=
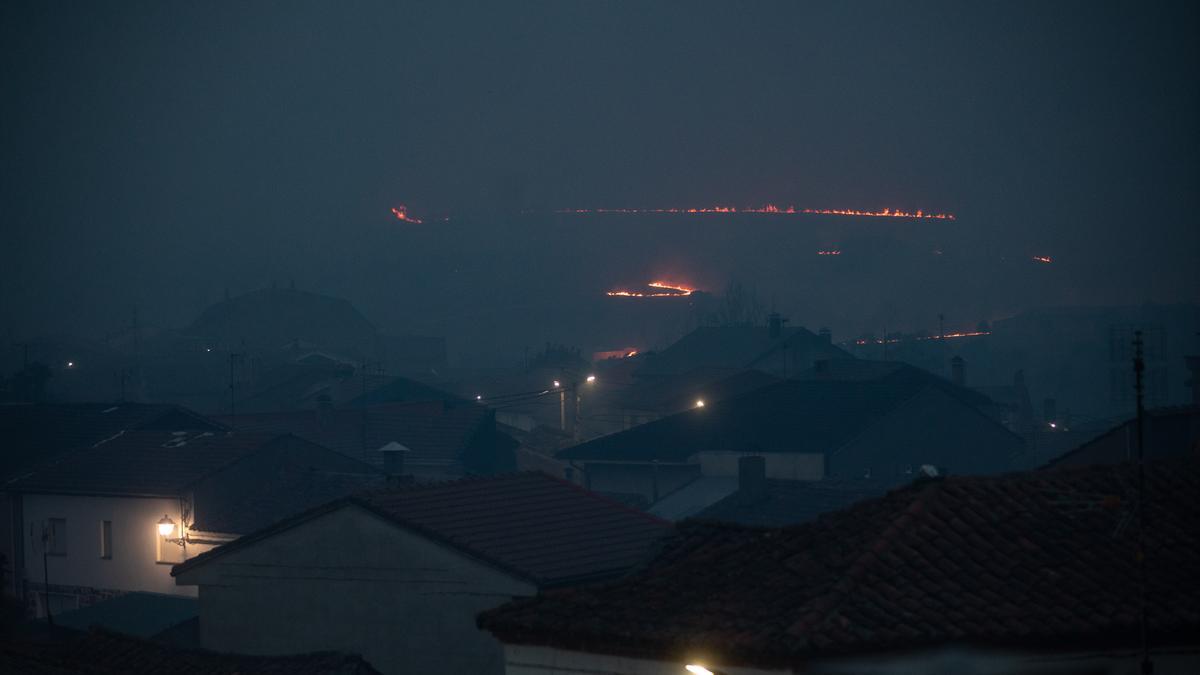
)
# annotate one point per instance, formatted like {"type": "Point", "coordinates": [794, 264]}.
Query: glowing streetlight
{"type": "Point", "coordinates": [166, 526]}
{"type": "Point", "coordinates": [557, 384]}
{"type": "Point", "coordinates": [591, 379]}
{"type": "Point", "coordinates": [70, 364]}
{"type": "Point", "coordinates": [697, 669]}
{"type": "Point", "coordinates": [699, 404]}
{"type": "Point", "coordinates": [478, 397]}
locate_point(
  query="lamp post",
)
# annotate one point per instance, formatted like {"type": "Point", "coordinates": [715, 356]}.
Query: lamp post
{"type": "Point", "coordinates": [573, 387]}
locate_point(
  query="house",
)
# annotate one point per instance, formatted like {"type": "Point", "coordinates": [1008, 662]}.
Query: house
{"type": "Point", "coordinates": [399, 574]}
{"type": "Point", "coordinates": [763, 502]}
{"type": "Point", "coordinates": [103, 652]}
{"type": "Point", "coordinates": [34, 434]}
{"type": "Point", "coordinates": [807, 430]}
{"type": "Point", "coordinates": [112, 517]}
{"type": "Point", "coordinates": [775, 349]}
{"type": "Point", "coordinates": [648, 400]}
{"type": "Point", "coordinates": [438, 440]}
{"type": "Point", "coordinates": [1033, 572]}
{"type": "Point", "coordinates": [1168, 432]}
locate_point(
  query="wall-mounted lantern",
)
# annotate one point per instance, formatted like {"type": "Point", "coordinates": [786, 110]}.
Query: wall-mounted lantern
{"type": "Point", "coordinates": [166, 528]}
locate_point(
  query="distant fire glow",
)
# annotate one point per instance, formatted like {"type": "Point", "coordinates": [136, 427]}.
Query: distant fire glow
{"type": "Point", "coordinates": [947, 336]}
{"type": "Point", "coordinates": [1042, 259]}
{"type": "Point", "coordinates": [666, 289]}
{"type": "Point", "coordinates": [401, 213]}
{"type": "Point", "coordinates": [776, 210]}
{"type": "Point", "coordinates": [830, 252]}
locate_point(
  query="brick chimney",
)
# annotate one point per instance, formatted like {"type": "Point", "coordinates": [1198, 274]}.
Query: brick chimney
{"type": "Point", "coordinates": [393, 458]}
{"type": "Point", "coordinates": [775, 325]}
{"type": "Point", "coordinates": [752, 477]}
{"type": "Point", "coordinates": [957, 371]}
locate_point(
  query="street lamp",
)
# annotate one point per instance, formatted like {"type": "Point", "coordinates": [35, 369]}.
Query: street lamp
{"type": "Point", "coordinates": [166, 526]}
{"type": "Point", "coordinates": [697, 669]}
{"type": "Point", "coordinates": [699, 403]}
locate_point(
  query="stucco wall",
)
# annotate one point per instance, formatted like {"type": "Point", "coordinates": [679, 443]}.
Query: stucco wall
{"type": "Point", "coordinates": [133, 566]}
{"type": "Point", "coordinates": [351, 581]}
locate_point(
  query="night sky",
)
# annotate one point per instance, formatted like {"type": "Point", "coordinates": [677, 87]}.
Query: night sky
{"type": "Point", "coordinates": [155, 154]}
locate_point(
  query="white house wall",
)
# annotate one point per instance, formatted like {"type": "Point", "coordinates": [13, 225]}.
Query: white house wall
{"type": "Point", "coordinates": [352, 581]}
{"type": "Point", "coordinates": [134, 564]}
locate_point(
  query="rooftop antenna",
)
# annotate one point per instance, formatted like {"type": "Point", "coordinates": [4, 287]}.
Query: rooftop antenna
{"type": "Point", "coordinates": [1139, 367]}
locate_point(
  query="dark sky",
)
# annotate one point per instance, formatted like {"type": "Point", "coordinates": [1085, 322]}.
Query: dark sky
{"type": "Point", "coordinates": [155, 154]}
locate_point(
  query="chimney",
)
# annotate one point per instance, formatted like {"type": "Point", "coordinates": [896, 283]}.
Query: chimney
{"type": "Point", "coordinates": [821, 367]}
{"type": "Point", "coordinates": [393, 458]}
{"type": "Point", "coordinates": [957, 373]}
{"type": "Point", "coordinates": [324, 409]}
{"type": "Point", "coordinates": [775, 325]}
{"type": "Point", "coordinates": [752, 477]}
{"type": "Point", "coordinates": [826, 336]}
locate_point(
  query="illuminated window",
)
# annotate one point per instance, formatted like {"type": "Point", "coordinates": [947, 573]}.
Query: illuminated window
{"type": "Point", "coordinates": [56, 533]}
{"type": "Point", "coordinates": [106, 539]}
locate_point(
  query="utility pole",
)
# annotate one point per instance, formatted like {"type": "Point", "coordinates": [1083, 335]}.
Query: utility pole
{"type": "Point", "coordinates": [1139, 367]}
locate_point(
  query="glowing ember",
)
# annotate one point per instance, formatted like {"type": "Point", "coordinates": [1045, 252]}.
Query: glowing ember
{"type": "Point", "coordinates": [1043, 259]}
{"type": "Point", "coordinates": [947, 336]}
{"type": "Point", "coordinates": [666, 290]}
{"type": "Point", "coordinates": [778, 210]}
{"type": "Point", "coordinates": [829, 252]}
{"type": "Point", "coordinates": [401, 213]}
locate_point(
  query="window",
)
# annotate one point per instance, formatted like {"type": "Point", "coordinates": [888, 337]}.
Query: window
{"type": "Point", "coordinates": [56, 536]}
{"type": "Point", "coordinates": [106, 539]}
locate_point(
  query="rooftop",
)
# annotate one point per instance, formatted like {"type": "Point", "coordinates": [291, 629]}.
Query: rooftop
{"type": "Point", "coordinates": [733, 347]}
{"type": "Point", "coordinates": [536, 527]}
{"type": "Point", "coordinates": [1037, 559]}
{"type": "Point", "coordinates": [141, 463]}
{"type": "Point", "coordinates": [791, 502]}
{"type": "Point", "coordinates": [101, 652]}
{"type": "Point", "coordinates": [789, 416]}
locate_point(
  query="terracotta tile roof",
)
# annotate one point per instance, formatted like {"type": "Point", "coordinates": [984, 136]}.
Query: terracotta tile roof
{"type": "Point", "coordinates": [789, 416]}
{"type": "Point", "coordinates": [1168, 431]}
{"type": "Point", "coordinates": [141, 463]}
{"type": "Point", "coordinates": [791, 502]}
{"type": "Point", "coordinates": [32, 434]}
{"type": "Point", "coordinates": [101, 652]}
{"type": "Point", "coordinates": [284, 493]}
{"type": "Point", "coordinates": [436, 432]}
{"type": "Point", "coordinates": [1041, 559]}
{"type": "Point", "coordinates": [536, 527]}
{"type": "Point", "coordinates": [734, 347]}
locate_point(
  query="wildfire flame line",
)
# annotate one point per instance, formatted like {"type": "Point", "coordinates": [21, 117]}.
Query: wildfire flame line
{"type": "Point", "coordinates": [401, 213]}
{"type": "Point", "coordinates": [947, 336]}
{"type": "Point", "coordinates": [1043, 259]}
{"type": "Point", "coordinates": [777, 210]}
{"type": "Point", "coordinates": [669, 290]}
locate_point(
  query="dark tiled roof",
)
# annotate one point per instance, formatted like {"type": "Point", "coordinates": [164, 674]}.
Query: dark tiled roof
{"type": "Point", "coordinates": [287, 492]}
{"type": "Point", "coordinates": [537, 527]}
{"type": "Point", "coordinates": [733, 347]}
{"type": "Point", "coordinates": [789, 416]}
{"type": "Point", "coordinates": [672, 393]}
{"type": "Point", "coordinates": [105, 653]}
{"type": "Point", "coordinates": [1168, 432]}
{"type": "Point", "coordinates": [137, 614]}
{"type": "Point", "coordinates": [437, 432]}
{"type": "Point", "coordinates": [791, 502]}
{"type": "Point", "coordinates": [30, 434]}
{"type": "Point", "coordinates": [142, 463]}
{"type": "Point", "coordinates": [897, 372]}
{"type": "Point", "coordinates": [1042, 559]}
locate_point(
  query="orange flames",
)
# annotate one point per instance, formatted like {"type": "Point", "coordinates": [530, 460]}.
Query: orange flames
{"type": "Point", "coordinates": [830, 252]}
{"type": "Point", "coordinates": [401, 213]}
{"type": "Point", "coordinates": [1043, 259]}
{"type": "Point", "coordinates": [666, 290]}
{"type": "Point", "coordinates": [947, 336]}
{"type": "Point", "coordinates": [778, 210]}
